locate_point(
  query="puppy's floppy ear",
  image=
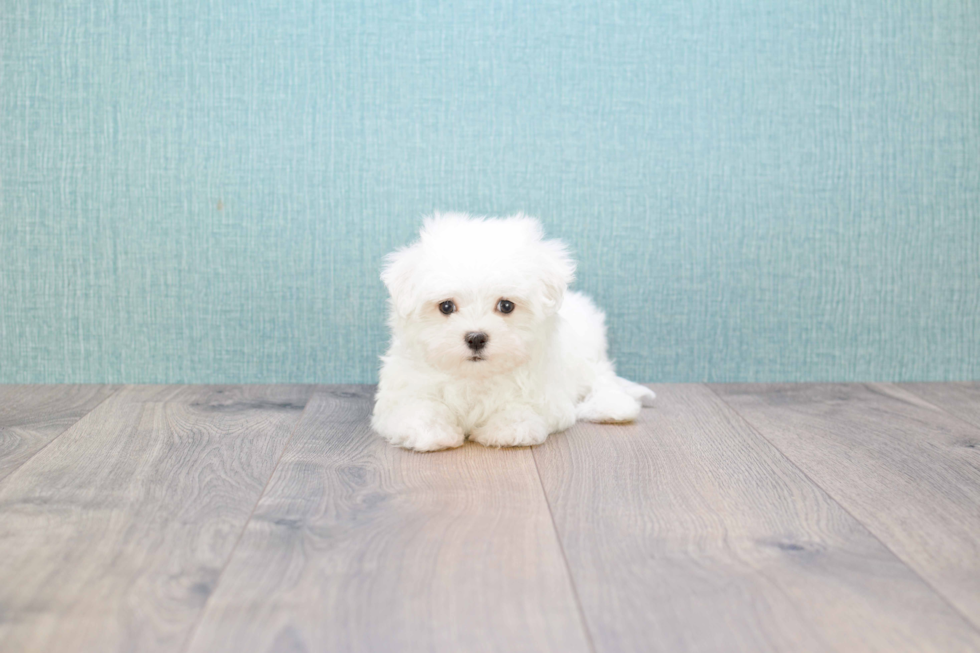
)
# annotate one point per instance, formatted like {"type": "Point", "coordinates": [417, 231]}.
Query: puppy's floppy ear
{"type": "Point", "coordinates": [557, 270]}
{"type": "Point", "coordinates": [398, 276]}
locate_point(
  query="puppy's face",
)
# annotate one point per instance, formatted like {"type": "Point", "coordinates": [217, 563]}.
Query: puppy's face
{"type": "Point", "coordinates": [475, 332]}
{"type": "Point", "coordinates": [475, 296]}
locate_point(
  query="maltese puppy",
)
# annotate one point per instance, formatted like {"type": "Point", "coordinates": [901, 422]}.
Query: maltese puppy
{"type": "Point", "coordinates": [488, 343]}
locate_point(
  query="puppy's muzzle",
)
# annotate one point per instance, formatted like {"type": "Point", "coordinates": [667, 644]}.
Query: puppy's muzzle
{"type": "Point", "coordinates": [476, 340]}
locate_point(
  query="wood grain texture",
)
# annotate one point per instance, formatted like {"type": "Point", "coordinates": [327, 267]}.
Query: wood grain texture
{"type": "Point", "coordinates": [959, 399]}
{"type": "Point", "coordinates": [687, 531]}
{"type": "Point", "coordinates": [112, 537]}
{"type": "Point", "coordinates": [359, 546]}
{"type": "Point", "coordinates": [31, 416]}
{"type": "Point", "coordinates": [909, 472]}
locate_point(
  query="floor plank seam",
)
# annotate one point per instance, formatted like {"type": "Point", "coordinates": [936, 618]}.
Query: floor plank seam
{"type": "Point", "coordinates": [241, 534]}
{"type": "Point", "coordinates": [47, 444]}
{"type": "Point", "coordinates": [941, 595]}
{"type": "Point", "coordinates": [564, 558]}
{"type": "Point", "coordinates": [937, 407]}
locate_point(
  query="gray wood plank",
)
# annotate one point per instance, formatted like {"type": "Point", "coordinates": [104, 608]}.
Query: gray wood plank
{"type": "Point", "coordinates": [31, 416]}
{"type": "Point", "coordinates": [360, 546]}
{"type": "Point", "coordinates": [960, 399]}
{"type": "Point", "coordinates": [113, 536]}
{"type": "Point", "coordinates": [687, 531]}
{"type": "Point", "coordinates": [909, 472]}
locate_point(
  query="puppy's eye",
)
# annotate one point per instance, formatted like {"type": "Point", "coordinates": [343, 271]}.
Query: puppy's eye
{"type": "Point", "coordinates": [505, 306]}
{"type": "Point", "coordinates": [447, 307]}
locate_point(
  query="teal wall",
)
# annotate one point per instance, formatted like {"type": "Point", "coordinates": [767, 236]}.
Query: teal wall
{"type": "Point", "coordinates": [201, 191]}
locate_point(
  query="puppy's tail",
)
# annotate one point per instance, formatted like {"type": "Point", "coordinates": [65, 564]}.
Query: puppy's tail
{"type": "Point", "coordinates": [613, 399]}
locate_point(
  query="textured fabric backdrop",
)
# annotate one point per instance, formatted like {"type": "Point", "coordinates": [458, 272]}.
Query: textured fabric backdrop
{"type": "Point", "coordinates": [202, 191]}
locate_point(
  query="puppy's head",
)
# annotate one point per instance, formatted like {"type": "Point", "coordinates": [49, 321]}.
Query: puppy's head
{"type": "Point", "coordinates": [475, 295]}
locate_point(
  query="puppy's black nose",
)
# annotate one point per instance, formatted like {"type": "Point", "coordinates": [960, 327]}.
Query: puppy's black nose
{"type": "Point", "coordinates": [476, 340]}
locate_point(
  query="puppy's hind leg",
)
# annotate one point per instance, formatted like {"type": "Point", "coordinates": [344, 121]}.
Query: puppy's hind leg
{"type": "Point", "coordinates": [644, 394]}
{"type": "Point", "coordinates": [612, 399]}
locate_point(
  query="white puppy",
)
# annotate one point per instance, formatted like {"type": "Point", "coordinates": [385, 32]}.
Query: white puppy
{"type": "Point", "coordinates": [488, 343]}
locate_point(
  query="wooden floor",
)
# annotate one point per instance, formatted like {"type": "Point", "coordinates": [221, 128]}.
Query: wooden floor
{"type": "Point", "coordinates": [270, 518]}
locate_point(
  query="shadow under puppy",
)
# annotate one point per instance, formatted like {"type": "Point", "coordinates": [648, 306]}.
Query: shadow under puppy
{"type": "Point", "coordinates": [487, 342]}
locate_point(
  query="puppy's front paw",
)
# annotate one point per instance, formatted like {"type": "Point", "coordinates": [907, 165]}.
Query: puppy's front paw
{"type": "Point", "coordinates": [423, 428]}
{"type": "Point", "coordinates": [522, 429]}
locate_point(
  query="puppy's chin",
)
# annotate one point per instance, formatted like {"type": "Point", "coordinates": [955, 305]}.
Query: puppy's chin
{"type": "Point", "coordinates": [476, 366]}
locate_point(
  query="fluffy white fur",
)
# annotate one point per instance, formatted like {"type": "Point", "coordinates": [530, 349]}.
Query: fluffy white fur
{"type": "Point", "coordinates": [544, 364]}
